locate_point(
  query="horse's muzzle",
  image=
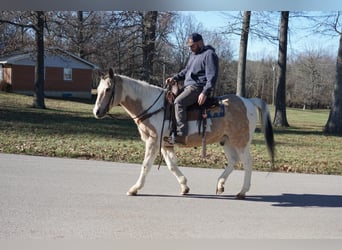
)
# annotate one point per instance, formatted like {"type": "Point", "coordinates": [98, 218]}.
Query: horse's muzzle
{"type": "Point", "coordinates": [97, 113]}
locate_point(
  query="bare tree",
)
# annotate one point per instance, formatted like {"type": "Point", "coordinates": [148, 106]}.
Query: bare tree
{"type": "Point", "coordinates": [34, 20]}
{"type": "Point", "coordinates": [76, 31]}
{"type": "Point", "coordinates": [80, 34]}
{"type": "Point", "coordinates": [259, 79]}
{"type": "Point", "coordinates": [163, 64]}
{"type": "Point", "coordinates": [38, 99]}
{"type": "Point", "coordinates": [310, 79]}
{"type": "Point", "coordinates": [262, 27]}
{"type": "Point", "coordinates": [183, 27]}
{"type": "Point", "coordinates": [280, 118]}
{"type": "Point", "coordinates": [334, 123]}
{"type": "Point", "coordinates": [149, 27]}
{"type": "Point", "coordinates": [13, 37]}
{"type": "Point", "coordinates": [241, 74]}
{"type": "Point", "coordinates": [330, 24]}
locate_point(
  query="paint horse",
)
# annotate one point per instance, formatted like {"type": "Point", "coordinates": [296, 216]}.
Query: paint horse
{"type": "Point", "coordinates": [145, 105]}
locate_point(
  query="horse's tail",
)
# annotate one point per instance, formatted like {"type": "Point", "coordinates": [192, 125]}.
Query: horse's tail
{"type": "Point", "coordinates": [266, 124]}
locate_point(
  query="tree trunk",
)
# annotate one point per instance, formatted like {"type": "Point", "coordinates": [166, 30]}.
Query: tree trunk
{"type": "Point", "coordinates": [80, 46]}
{"type": "Point", "coordinates": [38, 98]}
{"type": "Point", "coordinates": [334, 123]}
{"type": "Point", "coordinates": [241, 75]}
{"type": "Point", "coordinates": [280, 119]}
{"type": "Point", "coordinates": [148, 46]}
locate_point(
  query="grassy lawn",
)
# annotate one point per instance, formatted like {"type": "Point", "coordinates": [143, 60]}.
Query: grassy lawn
{"type": "Point", "coordinates": [68, 129]}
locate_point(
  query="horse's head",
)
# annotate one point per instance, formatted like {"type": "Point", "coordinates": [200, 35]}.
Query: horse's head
{"type": "Point", "coordinates": [105, 95]}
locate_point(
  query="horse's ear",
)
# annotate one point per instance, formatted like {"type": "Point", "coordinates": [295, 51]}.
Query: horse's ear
{"type": "Point", "coordinates": [111, 73]}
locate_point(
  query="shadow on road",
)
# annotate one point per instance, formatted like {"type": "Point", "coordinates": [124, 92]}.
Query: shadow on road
{"type": "Point", "coordinates": [283, 200]}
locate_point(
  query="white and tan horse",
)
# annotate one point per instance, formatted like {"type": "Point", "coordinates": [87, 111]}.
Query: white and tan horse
{"type": "Point", "coordinates": [145, 102]}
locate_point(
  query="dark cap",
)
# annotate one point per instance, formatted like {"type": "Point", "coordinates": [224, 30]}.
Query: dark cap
{"type": "Point", "coordinates": [194, 37]}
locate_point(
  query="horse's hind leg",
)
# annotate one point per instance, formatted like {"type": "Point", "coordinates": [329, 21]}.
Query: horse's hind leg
{"type": "Point", "coordinates": [150, 156]}
{"type": "Point", "coordinates": [171, 162]}
{"type": "Point", "coordinates": [247, 161]}
{"type": "Point", "coordinates": [232, 157]}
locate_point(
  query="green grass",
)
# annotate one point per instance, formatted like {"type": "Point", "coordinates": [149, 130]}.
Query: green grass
{"type": "Point", "coordinates": [68, 129]}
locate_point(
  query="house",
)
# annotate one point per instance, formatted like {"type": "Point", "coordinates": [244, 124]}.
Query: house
{"type": "Point", "coordinates": [66, 75]}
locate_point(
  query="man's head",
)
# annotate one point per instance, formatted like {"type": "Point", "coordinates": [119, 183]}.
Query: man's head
{"type": "Point", "coordinates": [195, 42]}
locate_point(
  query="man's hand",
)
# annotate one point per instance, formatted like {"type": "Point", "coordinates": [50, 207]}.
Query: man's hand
{"type": "Point", "coordinates": [201, 99]}
{"type": "Point", "coordinates": [170, 80]}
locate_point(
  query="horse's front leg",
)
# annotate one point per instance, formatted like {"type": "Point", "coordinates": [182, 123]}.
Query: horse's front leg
{"type": "Point", "coordinates": [171, 162]}
{"type": "Point", "coordinates": [151, 149]}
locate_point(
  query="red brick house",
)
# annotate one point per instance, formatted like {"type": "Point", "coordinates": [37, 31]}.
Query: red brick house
{"type": "Point", "coordinates": [66, 75]}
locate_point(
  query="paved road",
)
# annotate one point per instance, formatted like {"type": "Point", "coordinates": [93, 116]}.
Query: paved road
{"type": "Point", "coordinates": [55, 198]}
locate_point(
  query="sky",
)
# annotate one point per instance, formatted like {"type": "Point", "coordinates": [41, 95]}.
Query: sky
{"type": "Point", "coordinates": [298, 41]}
{"type": "Point", "coordinates": [168, 5]}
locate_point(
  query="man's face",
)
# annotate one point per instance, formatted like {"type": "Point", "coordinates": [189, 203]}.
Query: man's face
{"type": "Point", "coordinates": [194, 46]}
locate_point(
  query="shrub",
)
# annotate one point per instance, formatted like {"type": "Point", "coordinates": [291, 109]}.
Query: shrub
{"type": "Point", "coordinates": [5, 86]}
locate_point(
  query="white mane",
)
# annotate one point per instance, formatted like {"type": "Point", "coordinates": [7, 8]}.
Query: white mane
{"type": "Point", "coordinates": [143, 96]}
{"type": "Point", "coordinates": [138, 86]}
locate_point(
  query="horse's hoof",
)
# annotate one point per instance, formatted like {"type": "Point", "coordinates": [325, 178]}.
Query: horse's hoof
{"type": "Point", "coordinates": [185, 191]}
{"type": "Point", "coordinates": [130, 193]}
{"type": "Point", "coordinates": [240, 196]}
{"type": "Point", "coordinates": [219, 190]}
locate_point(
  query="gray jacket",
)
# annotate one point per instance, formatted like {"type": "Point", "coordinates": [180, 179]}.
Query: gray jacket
{"type": "Point", "coordinates": [201, 70]}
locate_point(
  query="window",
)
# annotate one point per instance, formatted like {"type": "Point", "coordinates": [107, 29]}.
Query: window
{"type": "Point", "coordinates": [67, 74]}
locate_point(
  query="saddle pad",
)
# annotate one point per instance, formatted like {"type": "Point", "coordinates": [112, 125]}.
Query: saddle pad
{"type": "Point", "coordinates": [215, 112]}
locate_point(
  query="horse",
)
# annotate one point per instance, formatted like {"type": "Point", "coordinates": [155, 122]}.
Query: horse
{"type": "Point", "coordinates": [145, 105]}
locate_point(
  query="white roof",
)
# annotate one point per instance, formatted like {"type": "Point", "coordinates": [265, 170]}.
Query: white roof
{"type": "Point", "coordinates": [54, 57]}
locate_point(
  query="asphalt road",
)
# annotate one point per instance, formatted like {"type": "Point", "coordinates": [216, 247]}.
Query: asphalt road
{"type": "Point", "coordinates": [52, 198]}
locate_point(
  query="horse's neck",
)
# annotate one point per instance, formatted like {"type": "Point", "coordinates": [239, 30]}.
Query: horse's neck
{"type": "Point", "coordinates": [139, 96]}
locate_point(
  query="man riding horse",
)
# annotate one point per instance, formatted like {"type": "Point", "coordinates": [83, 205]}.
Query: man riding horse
{"type": "Point", "coordinates": [199, 75]}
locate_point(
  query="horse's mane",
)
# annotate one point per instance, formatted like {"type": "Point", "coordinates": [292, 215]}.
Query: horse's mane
{"type": "Point", "coordinates": [142, 87]}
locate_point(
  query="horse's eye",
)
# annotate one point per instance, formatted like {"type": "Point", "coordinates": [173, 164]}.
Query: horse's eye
{"type": "Point", "coordinates": [107, 90]}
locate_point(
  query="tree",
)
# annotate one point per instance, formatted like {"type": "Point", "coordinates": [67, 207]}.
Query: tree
{"type": "Point", "coordinates": [149, 27]}
{"type": "Point", "coordinates": [334, 123]}
{"type": "Point", "coordinates": [163, 47]}
{"type": "Point", "coordinates": [262, 27]}
{"type": "Point", "coordinates": [33, 20]}
{"type": "Point", "coordinates": [241, 74]}
{"type": "Point", "coordinates": [76, 31]}
{"type": "Point", "coordinates": [310, 78]}
{"type": "Point", "coordinates": [259, 79]}
{"type": "Point", "coordinates": [330, 24]}
{"type": "Point", "coordinates": [12, 37]}
{"type": "Point", "coordinates": [38, 97]}
{"type": "Point", "coordinates": [183, 27]}
{"type": "Point", "coordinates": [280, 119]}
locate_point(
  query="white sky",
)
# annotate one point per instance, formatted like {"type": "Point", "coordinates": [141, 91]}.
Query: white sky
{"type": "Point", "coordinates": [298, 41]}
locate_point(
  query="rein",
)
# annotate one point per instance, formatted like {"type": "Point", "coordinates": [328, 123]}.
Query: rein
{"type": "Point", "coordinates": [143, 115]}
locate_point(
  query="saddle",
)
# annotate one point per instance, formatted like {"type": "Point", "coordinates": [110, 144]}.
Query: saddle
{"type": "Point", "coordinates": [212, 108]}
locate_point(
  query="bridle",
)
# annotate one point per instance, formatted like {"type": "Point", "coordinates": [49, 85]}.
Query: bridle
{"type": "Point", "coordinates": [143, 115]}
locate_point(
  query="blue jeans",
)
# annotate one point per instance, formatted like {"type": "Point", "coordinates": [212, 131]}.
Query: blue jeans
{"type": "Point", "coordinates": [186, 98]}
